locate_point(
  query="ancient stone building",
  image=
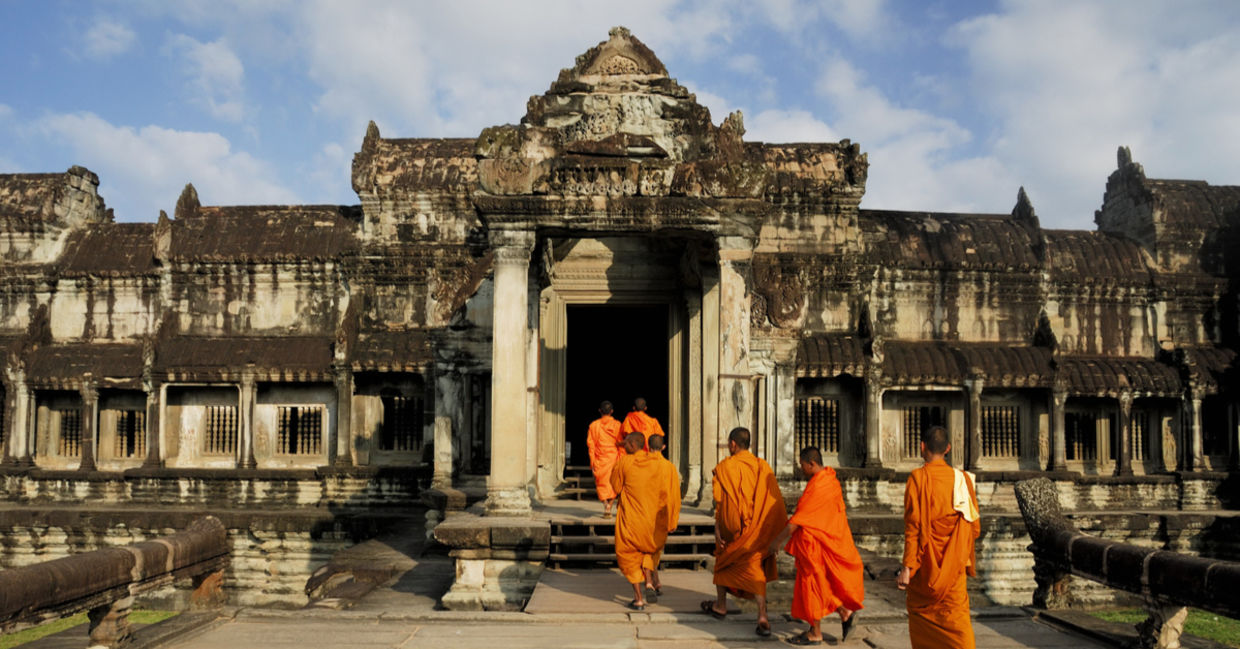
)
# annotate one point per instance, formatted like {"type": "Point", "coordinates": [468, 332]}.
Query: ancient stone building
{"type": "Point", "coordinates": [488, 292]}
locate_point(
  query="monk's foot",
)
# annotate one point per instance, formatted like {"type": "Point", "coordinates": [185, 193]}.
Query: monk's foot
{"type": "Point", "coordinates": [804, 639]}
{"type": "Point", "coordinates": [847, 627]}
{"type": "Point", "coordinates": [708, 607]}
{"type": "Point", "coordinates": [637, 605]}
{"type": "Point", "coordinates": [763, 629]}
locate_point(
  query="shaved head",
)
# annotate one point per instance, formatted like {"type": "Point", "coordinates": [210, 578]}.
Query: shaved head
{"type": "Point", "coordinates": [605, 408]}
{"type": "Point", "coordinates": [639, 404]}
{"type": "Point", "coordinates": [657, 443]}
{"type": "Point", "coordinates": [811, 455]}
{"type": "Point", "coordinates": [740, 437]}
{"type": "Point", "coordinates": [936, 440]}
{"type": "Point", "coordinates": [634, 442]}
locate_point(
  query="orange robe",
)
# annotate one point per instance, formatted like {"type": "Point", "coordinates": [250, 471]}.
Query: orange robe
{"type": "Point", "coordinates": [829, 570]}
{"type": "Point", "coordinates": [602, 438]}
{"type": "Point", "coordinates": [938, 547]}
{"type": "Point", "coordinates": [648, 488]}
{"type": "Point", "coordinates": [749, 514]}
{"type": "Point", "coordinates": [640, 422]}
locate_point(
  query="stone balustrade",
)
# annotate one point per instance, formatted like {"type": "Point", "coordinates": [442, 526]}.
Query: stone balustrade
{"type": "Point", "coordinates": [105, 582]}
{"type": "Point", "coordinates": [1167, 581]}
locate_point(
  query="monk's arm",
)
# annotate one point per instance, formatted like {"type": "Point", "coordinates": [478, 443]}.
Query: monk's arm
{"type": "Point", "coordinates": [782, 538]}
{"type": "Point", "coordinates": [617, 478]}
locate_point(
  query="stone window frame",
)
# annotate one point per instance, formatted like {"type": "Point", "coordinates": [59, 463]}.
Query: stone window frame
{"type": "Point", "coordinates": [295, 412]}
{"type": "Point", "coordinates": [1105, 415]}
{"type": "Point", "coordinates": [907, 454]}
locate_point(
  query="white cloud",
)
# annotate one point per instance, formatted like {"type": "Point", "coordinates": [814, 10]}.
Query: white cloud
{"type": "Point", "coordinates": [107, 38]}
{"type": "Point", "coordinates": [918, 161]}
{"type": "Point", "coordinates": [216, 75]}
{"type": "Point", "coordinates": [1067, 83]}
{"type": "Point", "coordinates": [783, 126]}
{"type": "Point", "coordinates": [153, 164]}
{"type": "Point", "coordinates": [6, 111]}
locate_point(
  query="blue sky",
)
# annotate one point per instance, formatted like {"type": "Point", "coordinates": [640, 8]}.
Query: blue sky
{"type": "Point", "coordinates": [957, 103]}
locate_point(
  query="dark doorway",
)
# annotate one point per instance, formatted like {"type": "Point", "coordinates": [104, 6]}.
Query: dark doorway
{"type": "Point", "coordinates": [614, 353]}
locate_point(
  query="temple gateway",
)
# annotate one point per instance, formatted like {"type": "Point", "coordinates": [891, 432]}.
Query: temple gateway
{"type": "Point", "coordinates": [459, 327]}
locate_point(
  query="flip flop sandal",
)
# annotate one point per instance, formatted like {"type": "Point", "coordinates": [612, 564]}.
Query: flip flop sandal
{"type": "Point", "coordinates": [652, 595]}
{"type": "Point", "coordinates": [708, 607]}
{"type": "Point", "coordinates": [763, 629]}
{"type": "Point", "coordinates": [636, 607]}
{"type": "Point", "coordinates": [802, 640]}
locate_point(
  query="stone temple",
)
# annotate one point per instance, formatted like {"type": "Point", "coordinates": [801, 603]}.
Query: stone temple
{"type": "Point", "coordinates": [455, 332]}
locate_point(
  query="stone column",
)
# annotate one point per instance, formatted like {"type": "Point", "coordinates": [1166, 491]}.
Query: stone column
{"type": "Point", "coordinates": [873, 418]}
{"type": "Point", "coordinates": [710, 383]}
{"type": "Point", "coordinates": [29, 429]}
{"type": "Point", "coordinates": [154, 415]}
{"type": "Point", "coordinates": [12, 438]}
{"type": "Point", "coordinates": [1123, 462]}
{"type": "Point", "coordinates": [90, 410]}
{"type": "Point", "coordinates": [341, 453]}
{"type": "Point", "coordinates": [1193, 460]}
{"type": "Point", "coordinates": [448, 395]}
{"type": "Point", "coordinates": [693, 436]}
{"type": "Point", "coordinates": [736, 398]}
{"type": "Point", "coordinates": [785, 395]}
{"type": "Point", "coordinates": [245, 410]}
{"type": "Point", "coordinates": [1059, 451]}
{"type": "Point", "coordinates": [974, 455]}
{"type": "Point", "coordinates": [506, 489]}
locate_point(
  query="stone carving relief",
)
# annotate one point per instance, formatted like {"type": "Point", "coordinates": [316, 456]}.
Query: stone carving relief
{"type": "Point", "coordinates": [619, 64]}
{"type": "Point", "coordinates": [783, 291]}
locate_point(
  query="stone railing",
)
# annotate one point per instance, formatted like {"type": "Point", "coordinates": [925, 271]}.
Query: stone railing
{"type": "Point", "coordinates": [104, 582]}
{"type": "Point", "coordinates": [1167, 581]}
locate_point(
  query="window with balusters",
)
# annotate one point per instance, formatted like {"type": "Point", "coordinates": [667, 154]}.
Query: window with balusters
{"type": "Point", "coordinates": [402, 423]}
{"type": "Point", "coordinates": [818, 423]}
{"type": "Point", "coordinates": [221, 430]}
{"type": "Point", "coordinates": [1001, 428]}
{"type": "Point", "coordinates": [914, 420]}
{"type": "Point", "coordinates": [299, 430]}
{"type": "Point", "coordinates": [130, 438]}
{"type": "Point", "coordinates": [1080, 435]}
{"type": "Point", "coordinates": [69, 443]}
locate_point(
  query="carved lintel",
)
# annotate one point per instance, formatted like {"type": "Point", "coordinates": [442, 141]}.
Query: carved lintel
{"type": "Point", "coordinates": [109, 624]}
{"type": "Point", "coordinates": [783, 293]}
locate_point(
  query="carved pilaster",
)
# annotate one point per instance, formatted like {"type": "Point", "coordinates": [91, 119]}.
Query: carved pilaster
{"type": "Point", "coordinates": [1192, 459]}
{"type": "Point", "coordinates": [1123, 463]}
{"type": "Point", "coordinates": [1059, 455]}
{"type": "Point", "coordinates": [340, 449]}
{"type": "Point", "coordinates": [873, 417]}
{"type": "Point", "coordinates": [90, 402]}
{"type": "Point", "coordinates": [154, 415]}
{"type": "Point", "coordinates": [245, 403]}
{"type": "Point", "coordinates": [973, 458]}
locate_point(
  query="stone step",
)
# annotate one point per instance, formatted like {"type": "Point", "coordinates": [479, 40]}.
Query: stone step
{"type": "Point", "coordinates": [694, 539]}
{"type": "Point", "coordinates": [600, 558]}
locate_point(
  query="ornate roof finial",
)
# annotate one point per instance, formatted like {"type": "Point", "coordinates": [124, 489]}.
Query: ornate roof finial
{"type": "Point", "coordinates": [188, 203]}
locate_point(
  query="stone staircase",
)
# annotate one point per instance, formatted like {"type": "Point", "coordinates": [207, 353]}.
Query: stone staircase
{"type": "Point", "coordinates": [578, 484]}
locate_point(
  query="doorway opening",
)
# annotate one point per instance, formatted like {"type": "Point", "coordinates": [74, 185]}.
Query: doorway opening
{"type": "Point", "coordinates": [616, 354]}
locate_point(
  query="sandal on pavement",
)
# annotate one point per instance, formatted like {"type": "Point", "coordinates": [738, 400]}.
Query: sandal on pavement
{"type": "Point", "coordinates": [652, 595]}
{"type": "Point", "coordinates": [708, 606]}
{"type": "Point", "coordinates": [636, 607]}
{"type": "Point", "coordinates": [802, 640]}
{"type": "Point", "coordinates": [846, 627]}
{"type": "Point", "coordinates": [763, 629]}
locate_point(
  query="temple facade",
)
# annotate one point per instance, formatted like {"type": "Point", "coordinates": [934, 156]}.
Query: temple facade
{"type": "Point", "coordinates": [468, 316]}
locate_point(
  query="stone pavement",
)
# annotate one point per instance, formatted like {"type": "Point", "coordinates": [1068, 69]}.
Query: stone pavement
{"type": "Point", "coordinates": [446, 630]}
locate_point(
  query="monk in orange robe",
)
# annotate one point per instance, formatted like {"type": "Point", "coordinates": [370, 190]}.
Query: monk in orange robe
{"type": "Point", "coordinates": [640, 422]}
{"type": "Point", "coordinates": [648, 491]}
{"type": "Point", "coordinates": [749, 517]}
{"type": "Point", "coordinates": [941, 523]}
{"type": "Point", "coordinates": [603, 440]}
{"type": "Point", "coordinates": [829, 569]}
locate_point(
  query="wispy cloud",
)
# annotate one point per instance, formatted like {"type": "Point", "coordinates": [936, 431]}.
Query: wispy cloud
{"type": "Point", "coordinates": [106, 38]}
{"type": "Point", "coordinates": [152, 164]}
{"type": "Point", "coordinates": [215, 73]}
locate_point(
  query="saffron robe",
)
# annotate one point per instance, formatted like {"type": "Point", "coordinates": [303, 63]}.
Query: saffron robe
{"type": "Point", "coordinates": [938, 547]}
{"type": "Point", "coordinates": [640, 422]}
{"type": "Point", "coordinates": [749, 515]}
{"type": "Point", "coordinates": [829, 569]}
{"type": "Point", "coordinates": [648, 489]}
{"type": "Point", "coordinates": [601, 439]}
